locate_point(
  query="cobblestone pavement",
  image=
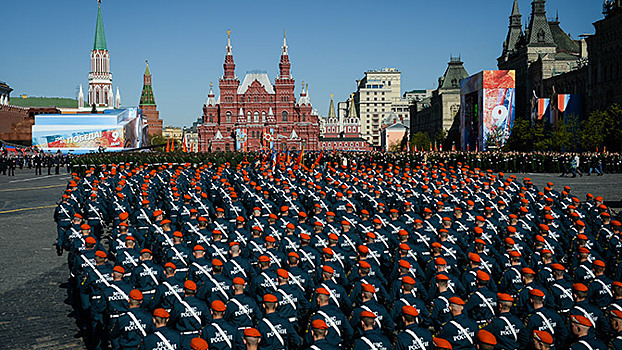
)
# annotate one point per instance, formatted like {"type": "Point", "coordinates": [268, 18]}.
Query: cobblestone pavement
{"type": "Point", "coordinates": [32, 278]}
{"type": "Point", "coordinates": [33, 314]}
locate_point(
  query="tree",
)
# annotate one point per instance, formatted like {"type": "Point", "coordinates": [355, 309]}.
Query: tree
{"type": "Point", "coordinates": [602, 129]}
{"type": "Point", "coordinates": [521, 138]}
{"type": "Point", "coordinates": [566, 135]}
{"type": "Point", "coordinates": [421, 140]}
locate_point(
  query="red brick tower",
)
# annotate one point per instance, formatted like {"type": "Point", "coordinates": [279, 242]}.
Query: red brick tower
{"type": "Point", "coordinates": [148, 105]}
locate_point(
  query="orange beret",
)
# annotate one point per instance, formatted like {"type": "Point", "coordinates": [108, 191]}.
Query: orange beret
{"type": "Point", "coordinates": [269, 298]}
{"type": "Point", "coordinates": [456, 300]}
{"type": "Point", "coordinates": [160, 312]}
{"type": "Point", "coordinates": [319, 324]}
{"type": "Point", "coordinates": [410, 310]}
{"type": "Point", "coordinates": [252, 332]}
{"type": "Point", "coordinates": [135, 294]}
{"type": "Point", "coordinates": [543, 336]}
{"type": "Point", "coordinates": [218, 305]}
{"type": "Point", "coordinates": [485, 337]}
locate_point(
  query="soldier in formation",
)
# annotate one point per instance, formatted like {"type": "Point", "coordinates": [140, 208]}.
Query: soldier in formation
{"type": "Point", "coordinates": [355, 254]}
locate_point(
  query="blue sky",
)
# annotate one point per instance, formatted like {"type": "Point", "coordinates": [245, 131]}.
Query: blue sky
{"type": "Point", "coordinates": [46, 44]}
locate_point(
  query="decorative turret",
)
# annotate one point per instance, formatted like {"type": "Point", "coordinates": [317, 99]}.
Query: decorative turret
{"type": "Point", "coordinates": [211, 100]}
{"type": "Point", "coordinates": [515, 32]}
{"type": "Point", "coordinates": [117, 99]}
{"type": "Point", "coordinates": [229, 65]}
{"type": "Point", "coordinates": [147, 98]}
{"type": "Point", "coordinates": [539, 29]}
{"type": "Point", "coordinates": [80, 98]}
{"type": "Point", "coordinates": [148, 105]}
{"type": "Point", "coordinates": [284, 65]}
{"type": "Point", "coordinates": [100, 78]}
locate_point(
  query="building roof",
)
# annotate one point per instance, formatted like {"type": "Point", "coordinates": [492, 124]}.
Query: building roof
{"type": "Point", "coordinates": [331, 109]}
{"type": "Point", "coordinates": [453, 74]}
{"type": "Point", "coordinates": [262, 78]}
{"type": "Point", "coordinates": [59, 102]}
{"type": "Point", "coordinates": [146, 97]}
{"type": "Point", "coordinates": [100, 36]}
{"type": "Point", "coordinates": [397, 125]}
{"type": "Point", "coordinates": [563, 41]}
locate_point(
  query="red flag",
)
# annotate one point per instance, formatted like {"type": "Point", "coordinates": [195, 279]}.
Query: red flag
{"type": "Point", "coordinates": [334, 152]}
{"type": "Point", "coordinates": [192, 148]}
{"type": "Point", "coordinates": [435, 148]}
{"type": "Point", "coordinates": [299, 160]}
{"type": "Point", "coordinates": [317, 161]}
{"type": "Point", "coordinates": [415, 148]}
{"type": "Point", "coordinates": [173, 145]}
{"type": "Point", "coordinates": [168, 146]}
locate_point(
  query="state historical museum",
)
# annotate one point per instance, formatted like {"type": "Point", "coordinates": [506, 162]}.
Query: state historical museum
{"type": "Point", "coordinates": [257, 115]}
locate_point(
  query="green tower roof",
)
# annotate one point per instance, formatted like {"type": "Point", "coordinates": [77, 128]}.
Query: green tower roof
{"type": "Point", "coordinates": [100, 36]}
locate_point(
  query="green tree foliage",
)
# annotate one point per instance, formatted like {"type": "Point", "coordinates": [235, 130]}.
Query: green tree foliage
{"type": "Point", "coordinates": [421, 140]}
{"type": "Point", "coordinates": [521, 138]}
{"type": "Point", "coordinates": [567, 134]}
{"type": "Point", "coordinates": [602, 129]}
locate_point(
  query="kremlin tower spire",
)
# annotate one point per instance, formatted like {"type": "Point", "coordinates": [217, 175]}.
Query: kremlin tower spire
{"type": "Point", "coordinates": [148, 105]}
{"type": "Point", "coordinates": [284, 65]}
{"type": "Point", "coordinates": [229, 65]}
{"type": "Point", "coordinates": [100, 78]}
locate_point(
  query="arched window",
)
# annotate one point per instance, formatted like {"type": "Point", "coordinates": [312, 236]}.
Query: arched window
{"type": "Point", "coordinates": [228, 117]}
{"type": "Point", "coordinates": [263, 117]}
{"type": "Point", "coordinates": [97, 96]}
{"type": "Point", "coordinates": [256, 117]}
{"type": "Point", "coordinates": [304, 117]}
{"type": "Point", "coordinates": [248, 117]}
{"type": "Point", "coordinates": [284, 116]}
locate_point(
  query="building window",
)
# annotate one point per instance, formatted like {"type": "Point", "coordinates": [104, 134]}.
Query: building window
{"type": "Point", "coordinates": [256, 117]}
{"type": "Point", "coordinates": [263, 116]}
{"type": "Point", "coordinates": [227, 147]}
{"type": "Point", "coordinates": [304, 117]}
{"type": "Point", "coordinates": [228, 119]}
{"type": "Point", "coordinates": [284, 116]}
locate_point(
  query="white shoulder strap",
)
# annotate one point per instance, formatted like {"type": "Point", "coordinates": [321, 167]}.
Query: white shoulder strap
{"type": "Point", "coordinates": [287, 298]}
{"type": "Point", "coordinates": [586, 344]}
{"type": "Point", "coordinates": [148, 269]}
{"type": "Point", "coordinates": [166, 342]}
{"type": "Point", "coordinates": [368, 342]}
{"type": "Point", "coordinates": [605, 286]}
{"type": "Point", "coordinates": [485, 301]}
{"type": "Point", "coordinates": [241, 307]}
{"type": "Point", "coordinates": [587, 315]}
{"type": "Point", "coordinates": [376, 320]}
{"type": "Point", "coordinates": [546, 322]}
{"type": "Point", "coordinates": [462, 330]}
{"type": "Point", "coordinates": [276, 333]}
{"type": "Point", "coordinates": [184, 303]}
{"type": "Point", "coordinates": [511, 327]}
{"type": "Point", "coordinates": [330, 322]}
{"type": "Point", "coordinates": [223, 334]}
{"type": "Point", "coordinates": [416, 338]}
{"type": "Point", "coordinates": [140, 326]}
{"type": "Point", "coordinates": [330, 293]}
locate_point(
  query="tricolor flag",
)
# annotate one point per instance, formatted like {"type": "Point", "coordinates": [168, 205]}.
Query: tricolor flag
{"type": "Point", "coordinates": [541, 107]}
{"type": "Point", "coordinates": [562, 102]}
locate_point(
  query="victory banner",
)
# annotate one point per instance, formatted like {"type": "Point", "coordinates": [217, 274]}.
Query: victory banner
{"type": "Point", "coordinates": [115, 131]}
